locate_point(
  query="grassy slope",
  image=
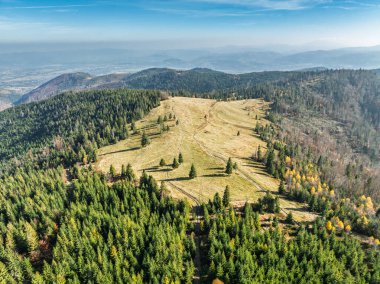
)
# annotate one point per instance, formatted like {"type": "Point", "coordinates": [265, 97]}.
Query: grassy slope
{"type": "Point", "coordinates": [207, 137]}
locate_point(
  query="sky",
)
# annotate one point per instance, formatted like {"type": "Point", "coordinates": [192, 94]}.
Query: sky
{"type": "Point", "coordinates": [194, 23]}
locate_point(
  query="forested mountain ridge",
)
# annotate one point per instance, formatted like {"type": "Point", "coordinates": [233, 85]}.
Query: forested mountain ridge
{"type": "Point", "coordinates": [61, 221]}
{"type": "Point", "coordinates": [198, 80]}
{"type": "Point", "coordinates": [68, 128]}
{"type": "Point", "coordinates": [335, 114]}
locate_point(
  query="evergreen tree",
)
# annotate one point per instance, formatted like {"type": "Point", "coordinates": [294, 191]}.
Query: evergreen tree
{"type": "Point", "coordinates": [289, 218]}
{"type": "Point", "coordinates": [144, 139]}
{"type": "Point", "coordinates": [226, 197]}
{"type": "Point", "coordinates": [180, 158]}
{"type": "Point", "coordinates": [162, 163]}
{"type": "Point", "coordinates": [193, 172]}
{"type": "Point", "coordinates": [112, 171]}
{"type": "Point", "coordinates": [281, 188]}
{"type": "Point", "coordinates": [129, 174]}
{"type": "Point", "coordinates": [259, 154]}
{"type": "Point", "coordinates": [175, 163]}
{"type": "Point", "coordinates": [229, 166]}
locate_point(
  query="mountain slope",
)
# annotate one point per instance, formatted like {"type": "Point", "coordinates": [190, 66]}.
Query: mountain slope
{"type": "Point", "coordinates": [198, 80]}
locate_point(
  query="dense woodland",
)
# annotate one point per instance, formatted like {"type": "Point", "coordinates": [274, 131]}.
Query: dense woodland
{"type": "Point", "coordinates": [69, 128]}
{"type": "Point", "coordinates": [61, 222]}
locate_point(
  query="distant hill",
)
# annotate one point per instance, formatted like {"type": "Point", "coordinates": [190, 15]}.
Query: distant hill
{"type": "Point", "coordinates": [68, 82]}
{"type": "Point", "coordinates": [198, 80]}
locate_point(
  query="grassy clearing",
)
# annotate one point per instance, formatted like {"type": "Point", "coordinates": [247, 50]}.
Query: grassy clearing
{"type": "Point", "coordinates": [206, 136]}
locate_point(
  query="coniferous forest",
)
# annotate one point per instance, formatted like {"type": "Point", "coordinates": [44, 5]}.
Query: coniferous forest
{"type": "Point", "coordinates": [61, 221]}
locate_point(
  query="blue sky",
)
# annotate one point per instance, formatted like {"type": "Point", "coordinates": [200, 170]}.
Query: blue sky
{"type": "Point", "coordinates": [194, 22]}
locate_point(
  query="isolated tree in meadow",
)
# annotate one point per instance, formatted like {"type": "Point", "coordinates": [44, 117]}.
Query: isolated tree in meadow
{"type": "Point", "coordinates": [259, 154]}
{"type": "Point", "coordinates": [238, 133]}
{"type": "Point", "coordinates": [229, 166]}
{"type": "Point", "coordinates": [177, 122]}
{"type": "Point", "coordinates": [162, 163]}
{"type": "Point", "coordinates": [226, 197]}
{"type": "Point", "coordinates": [193, 172]}
{"type": "Point", "coordinates": [180, 158]}
{"type": "Point", "coordinates": [159, 119]}
{"type": "Point", "coordinates": [144, 139]}
{"type": "Point", "coordinates": [175, 163]}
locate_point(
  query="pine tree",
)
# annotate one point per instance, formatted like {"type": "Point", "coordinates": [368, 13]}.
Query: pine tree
{"type": "Point", "coordinates": [112, 171]}
{"type": "Point", "coordinates": [180, 158]}
{"type": "Point", "coordinates": [259, 154]}
{"type": "Point", "coordinates": [193, 172]}
{"type": "Point", "coordinates": [129, 174]}
{"type": "Point", "coordinates": [144, 139]}
{"type": "Point", "coordinates": [281, 188]}
{"type": "Point", "coordinates": [229, 166]}
{"type": "Point", "coordinates": [123, 171]}
{"type": "Point", "coordinates": [226, 196]}
{"type": "Point", "coordinates": [289, 218]}
{"type": "Point", "coordinates": [162, 163]}
{"type": "Point", "coordinates": [133, 127]}
{"type": "Point", "coordinates": [175, 163]}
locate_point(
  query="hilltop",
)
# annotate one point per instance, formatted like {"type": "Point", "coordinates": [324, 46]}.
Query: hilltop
{"type": "Point", "coordinates": [206, 136]}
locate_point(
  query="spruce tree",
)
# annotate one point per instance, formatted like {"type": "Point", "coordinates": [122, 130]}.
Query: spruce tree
{"type": "Point", "coordinates": [123, 171]}
{"type": "Point", "coordinates": [180, 158]}
{"type": "Point", "coordinates": [229, 166]}
{"type": "Point", "coordinates": [226, 196]}
{"type": "Point", "coordinates": [112, 171]}
{"type": "Point", "coordinates": [144, 139]}
{"type": "Point", "coordinates": [162, 163]}
{"type": "Point", "coordinates": [281, 188]}
{"type": "Point", "coordinates": [289, 218]}
{"type": "Point", "coordinates": [259, 154]}
{"type": "Point", "coordinates": [175, 163]}
{"type": "Point", "coordinates": [193, 172]}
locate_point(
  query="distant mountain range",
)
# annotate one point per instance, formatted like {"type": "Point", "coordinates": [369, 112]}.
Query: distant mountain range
{"type": "Point", "coordinates": [228, 59]}
{"type": "Point", "coordinates": [197, 80]}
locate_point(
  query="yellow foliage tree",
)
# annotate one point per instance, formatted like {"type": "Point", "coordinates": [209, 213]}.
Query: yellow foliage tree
{"type": "Point", "coordinates": [329, 226]}
{"type": "Point", "coordinates": [347, 228]}
{"type": "Point", "coordinates": [340, 225]}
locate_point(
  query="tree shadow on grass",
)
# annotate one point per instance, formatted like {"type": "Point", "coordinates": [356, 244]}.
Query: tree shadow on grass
{"type": "Point", "coordinates": [121, 151]}
{"type": "Point", "coordinates": [215, 175]}
{"type": "Point", "coordinates": [215, 168]}
{"type": "Point", "coordinates": [177, 179]}
{"type": "Point", "coordinates": [158, 170]}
